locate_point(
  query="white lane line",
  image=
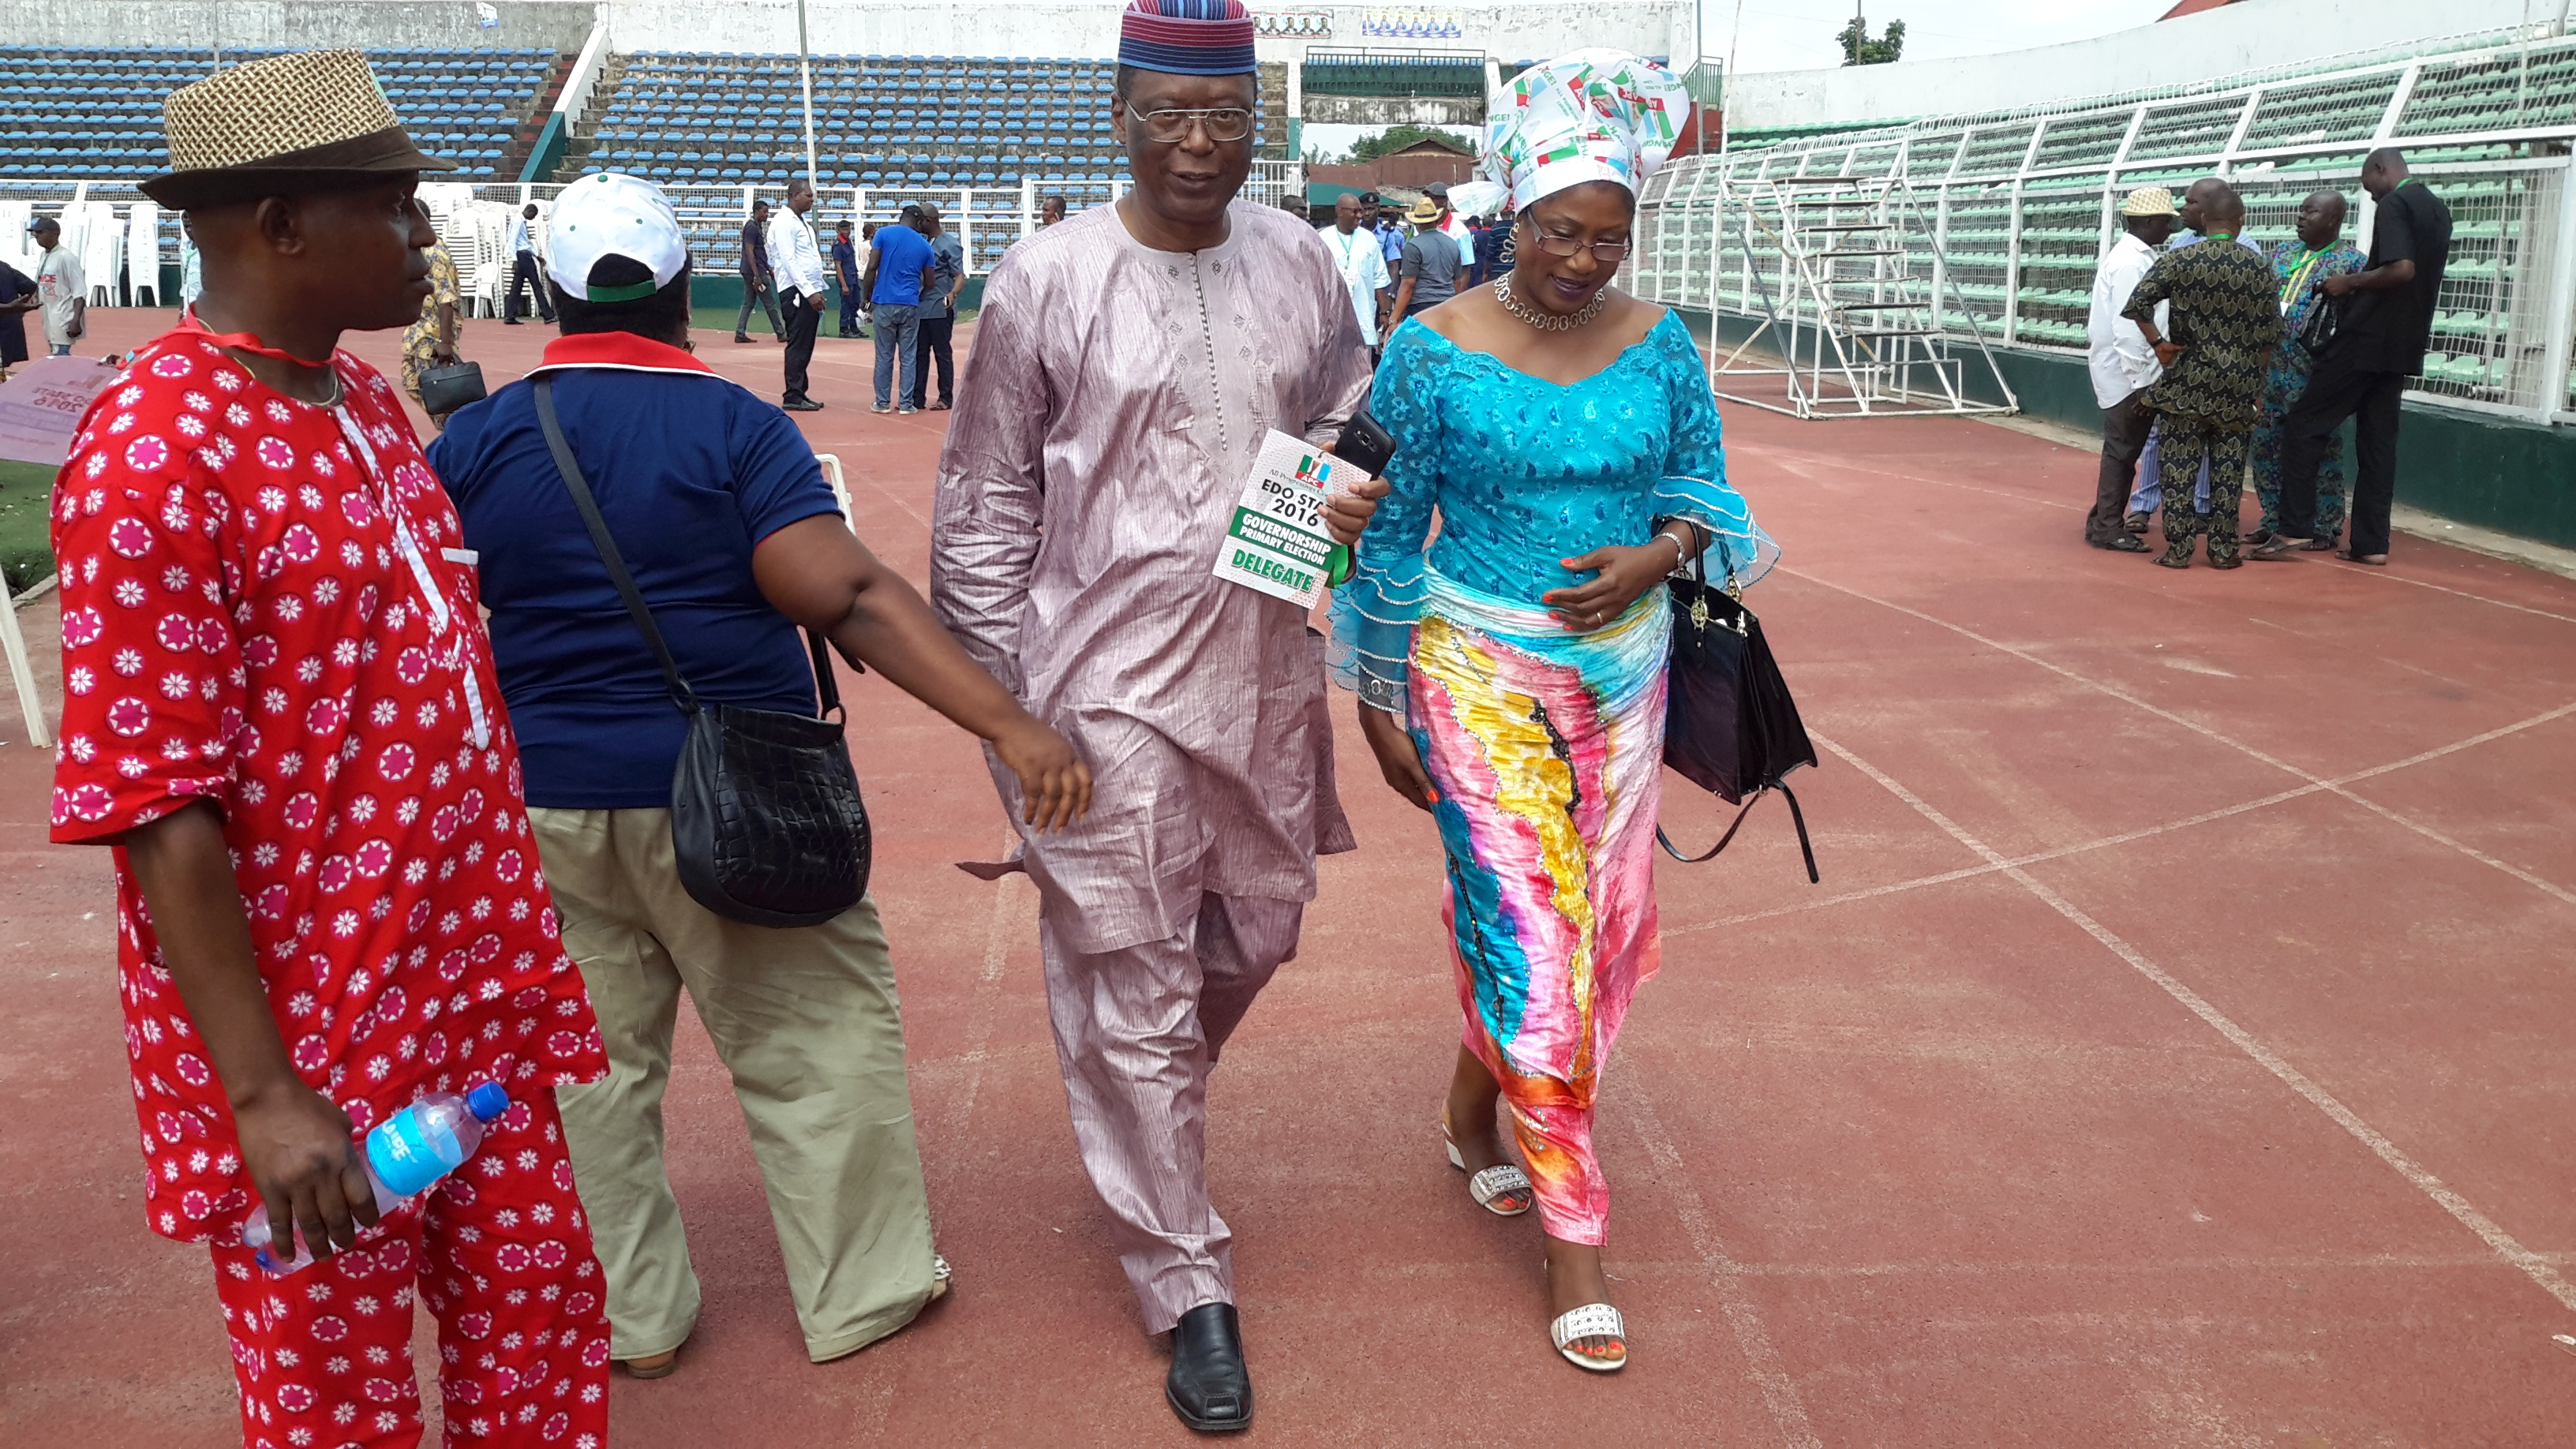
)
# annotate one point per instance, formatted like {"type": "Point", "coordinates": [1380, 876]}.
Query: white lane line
{"type": "Point", "coordinates": [2548, 887]}
{"type": "Point", "coordinates": [2383, 575]}
{"type": "Point", "coordinates": [2125, 837]}
{"type": "Point", "coordinates": [1009, 921]}
{"type": "Point", "coordinates": [2537, 1267]}
{"type": "Point", "coordinates": [1735, 1301]}
{"type": "Point", "coordinates": [1843, 467]}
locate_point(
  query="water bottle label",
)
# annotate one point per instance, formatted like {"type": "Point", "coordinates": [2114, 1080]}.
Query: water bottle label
{"type": "Point", "coordinates": [409, 1153]}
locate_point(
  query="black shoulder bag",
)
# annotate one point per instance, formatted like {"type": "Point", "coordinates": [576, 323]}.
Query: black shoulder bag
{"type": "Point", "coordinates": [1729, 724]}
{"type": "Point", "coordinates": [2318, 329]}
{"type": "Point", "coordinates": [766, 820]}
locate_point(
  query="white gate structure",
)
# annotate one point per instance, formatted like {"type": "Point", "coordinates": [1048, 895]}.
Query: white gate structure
{"type": "Point", "coordinates": [2020, 205]}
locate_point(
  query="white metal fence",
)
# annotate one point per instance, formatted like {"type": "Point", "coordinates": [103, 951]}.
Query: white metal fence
{"type": "Point", "coordinates": [2023, 203]}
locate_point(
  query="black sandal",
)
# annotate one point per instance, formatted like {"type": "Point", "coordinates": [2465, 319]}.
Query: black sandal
{"type": "Point", "coordinates": [2276, 548]}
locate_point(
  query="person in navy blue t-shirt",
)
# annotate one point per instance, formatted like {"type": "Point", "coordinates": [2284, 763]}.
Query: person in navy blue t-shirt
{"type": "Point", "coordinates": [900, 266]}
{"type": "Point", "coordinates": [733, 537]}
{"type": "Point", "coordinates": [845, 275]}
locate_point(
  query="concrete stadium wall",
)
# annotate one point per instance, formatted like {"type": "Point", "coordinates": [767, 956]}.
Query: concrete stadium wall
{"type": "Point", "coordinates": [2468, 467]}
{"type": "Point", "coordinates": [299, 24]}
{"type": "Point", "coordinates": [2213, 43]}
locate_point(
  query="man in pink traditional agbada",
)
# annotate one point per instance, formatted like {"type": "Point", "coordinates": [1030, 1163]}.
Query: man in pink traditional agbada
{"type": "Point", "coordinates": [1127, 365]}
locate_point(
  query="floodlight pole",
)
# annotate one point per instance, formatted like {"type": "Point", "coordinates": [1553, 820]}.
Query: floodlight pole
{"type": "Point", "coordinates": [805, 77]}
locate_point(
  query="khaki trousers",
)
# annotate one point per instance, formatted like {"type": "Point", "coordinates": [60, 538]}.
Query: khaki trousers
{"type": "Point", "coordinates": [806, 1021]}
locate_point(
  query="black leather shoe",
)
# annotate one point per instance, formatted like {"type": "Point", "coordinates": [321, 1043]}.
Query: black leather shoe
{"type": "Point", "coordinates": [1208, 1386]}
{"type": "Point", "coordinates": [2121, 543]}
{"type": "Point", "coordinates": [801, 405]}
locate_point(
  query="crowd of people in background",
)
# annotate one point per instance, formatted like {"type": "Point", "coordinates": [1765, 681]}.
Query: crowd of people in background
{"type": "Point", "coordinates": [1400, 260]}
{"type": "Point", "coordinates": [2211, 352]}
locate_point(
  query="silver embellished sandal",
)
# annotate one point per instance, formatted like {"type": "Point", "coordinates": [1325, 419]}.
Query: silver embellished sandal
{"type": "Point", "coordinates": [1593, 1323]}
{"type": "Point", "coordinates": [1502, 1189]}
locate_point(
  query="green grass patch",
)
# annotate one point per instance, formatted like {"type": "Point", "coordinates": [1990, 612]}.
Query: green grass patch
{"type": "Point", "coordinates": [26, 510]}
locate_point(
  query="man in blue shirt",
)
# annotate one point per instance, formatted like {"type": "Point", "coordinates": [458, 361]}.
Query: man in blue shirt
{"type": "Point", "coordinates": [845, 275]}
{"type": "Point", "coordinates": [900, 264]}
{"type": "Point", "coordinates": [938, 313]}
{"type": "Point", "coordinates": [526, 271]}
{"type": "Point", "coordinates": [1390, 235]}
{"type": "Point", "coordinates": [759, 289]}
{"type": "Point", "coordinates": [734, 540]}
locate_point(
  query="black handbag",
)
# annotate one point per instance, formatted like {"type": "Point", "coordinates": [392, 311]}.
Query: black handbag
{"type": "Point", "coordinates": [1729, 724]}
{"type": "Point", "coordinates": [2317, 330]}
{"type": "Point", "coordinates": [449, 386]}
{"type": "Point", "coordinates": [766, 821]}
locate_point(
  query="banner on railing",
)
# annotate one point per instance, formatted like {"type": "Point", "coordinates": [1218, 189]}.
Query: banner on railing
{"type": "Point", "coordinates": [1413, 24]}
{"type": "Point", "coordinates": [1294, 24]}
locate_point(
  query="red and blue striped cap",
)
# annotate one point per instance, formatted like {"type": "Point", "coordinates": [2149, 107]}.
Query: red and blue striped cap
{"type": "Point", "coordinates": [1187, 37]}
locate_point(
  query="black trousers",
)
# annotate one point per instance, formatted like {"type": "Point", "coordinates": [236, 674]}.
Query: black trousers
{"type": "Point", "coordinates": [933, 334]}
{"type": "Point", "coordinates": [2124, 438]}
{"type": "Point", "coordinates": [802, 318]}
{"type": "Point", "coordinates": [526, 273]}
{"type": "Point", "coordinates": [2337, 391]}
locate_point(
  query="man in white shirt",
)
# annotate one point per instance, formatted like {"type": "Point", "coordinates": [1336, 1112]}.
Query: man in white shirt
{"type": "Point", "coordinates": [2122, 363]}
{"type": "Point", "coordinates": [1357, 257]}
{"type": "Point", "coordinates": [797, 263]}
{"type": "Point", "coordinates": [60, 287]}
{"type": "Point", "coordinates": [527, 269]}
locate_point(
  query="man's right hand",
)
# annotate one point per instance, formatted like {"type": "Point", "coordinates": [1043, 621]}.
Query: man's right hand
{"type": "Point", "coordinates": [2166, 352]}
{"type": "Point", "coordinates": [298, 1149]}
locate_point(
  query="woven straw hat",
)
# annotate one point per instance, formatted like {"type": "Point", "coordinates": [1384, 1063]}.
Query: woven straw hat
{"type": "Point", "coordinates": [2149, 201]}
{"type": "Point", "coordinates": [299, 122]}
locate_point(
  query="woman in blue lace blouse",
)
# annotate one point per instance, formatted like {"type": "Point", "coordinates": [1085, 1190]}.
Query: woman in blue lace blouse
{"type": "Point", "coordinates": [1512, 674]}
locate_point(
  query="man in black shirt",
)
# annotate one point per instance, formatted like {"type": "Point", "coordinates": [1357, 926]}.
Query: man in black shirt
{"type": "Point", "coordinates": [2387, 323]}
{"type": "Point", "coordinates": [759, 285]}
{"type": "Point", "coordinates": [17, 299]}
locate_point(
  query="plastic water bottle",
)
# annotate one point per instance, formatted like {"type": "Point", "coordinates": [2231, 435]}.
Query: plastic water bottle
{"type": "Point", "coordinates": [406, 1153]}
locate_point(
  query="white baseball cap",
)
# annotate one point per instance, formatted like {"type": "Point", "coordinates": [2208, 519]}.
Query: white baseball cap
{"type": "Point", "coordinates": [613, 215]}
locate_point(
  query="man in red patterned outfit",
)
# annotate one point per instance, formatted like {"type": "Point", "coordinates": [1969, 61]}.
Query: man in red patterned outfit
{"type": "Point", "coordinates": [280, 709]}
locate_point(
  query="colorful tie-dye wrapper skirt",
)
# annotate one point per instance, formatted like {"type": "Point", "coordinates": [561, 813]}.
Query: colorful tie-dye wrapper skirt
{"type": "Point", "coordinates": [1546, 748]}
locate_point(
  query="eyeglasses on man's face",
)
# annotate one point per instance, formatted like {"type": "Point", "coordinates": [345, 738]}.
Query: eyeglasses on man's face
{"type": "Point", "coordinates": [1170, 128]}
{"type": "Point", "coordinates": [1554, 245]}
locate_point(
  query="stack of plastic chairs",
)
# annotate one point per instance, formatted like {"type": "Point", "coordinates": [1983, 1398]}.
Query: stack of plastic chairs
{"type": "Point", "coordinates": [143, 253]}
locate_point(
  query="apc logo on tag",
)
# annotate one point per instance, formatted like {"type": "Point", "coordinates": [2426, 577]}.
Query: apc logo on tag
{"type": "Point", "coordinates": [1314, 468]}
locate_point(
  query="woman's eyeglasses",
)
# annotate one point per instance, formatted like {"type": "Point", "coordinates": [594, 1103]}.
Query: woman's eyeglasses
{"type": "Point", "coordinates": [1612, 252]}
{"type": "Point", "coordinates": [1170, 128]}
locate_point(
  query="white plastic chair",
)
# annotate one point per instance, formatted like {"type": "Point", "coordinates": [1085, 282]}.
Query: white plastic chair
{"type": "Point", "coordinates": [101, 251]}
{"type": "Point", "coordinates": [13, 644]}
{"type": "Point", "coordinates": [16, 247]}
{"type": "Point", "coordinates": [840, 490]}
{"type": "Point", "coordinates": [143, 253]}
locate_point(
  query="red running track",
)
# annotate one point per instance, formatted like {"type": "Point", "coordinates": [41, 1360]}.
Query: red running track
{"type": "Point", "coordinates": [2180, 1050]}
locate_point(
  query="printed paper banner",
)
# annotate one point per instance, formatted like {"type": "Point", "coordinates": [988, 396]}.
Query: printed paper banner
{"type": "Point", "coordinates": [41, 407]}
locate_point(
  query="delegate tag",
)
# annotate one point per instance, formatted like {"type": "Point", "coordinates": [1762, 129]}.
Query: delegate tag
{"type": "Point", "coordinates": [1276, 542]}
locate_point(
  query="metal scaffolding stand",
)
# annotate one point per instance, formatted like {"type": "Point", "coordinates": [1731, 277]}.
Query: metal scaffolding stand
{"type": "Point", "coordinates": [1855, 330]}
